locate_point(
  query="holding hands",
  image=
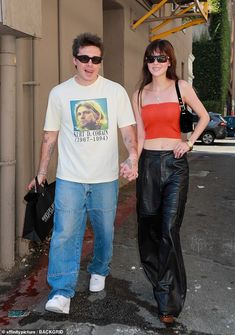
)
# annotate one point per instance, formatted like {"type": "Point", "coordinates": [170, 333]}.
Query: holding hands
{"type": "Point", "coordinates": [129, 168]}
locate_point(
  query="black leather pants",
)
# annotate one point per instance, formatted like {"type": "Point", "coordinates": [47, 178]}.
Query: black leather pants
{"type": "Point", "coordinates": [162, 188]}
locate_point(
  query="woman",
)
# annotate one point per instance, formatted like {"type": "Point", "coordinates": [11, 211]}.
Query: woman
{"type": "Point", "coordinates": [162, 184]}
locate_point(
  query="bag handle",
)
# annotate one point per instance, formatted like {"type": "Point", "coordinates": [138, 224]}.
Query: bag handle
{"type": "Point", "coordinates": [182, 105]}
{"type": "Point", "coordinates": [39, 188]}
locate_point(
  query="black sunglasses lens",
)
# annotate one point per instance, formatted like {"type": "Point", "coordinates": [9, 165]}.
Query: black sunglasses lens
{"type": "Point", "coordinates": [96, 60]}
{"type": "Point", "coordinates": [83, 58]}
{"type": "Point", "coordinates": [86, 59]}
{"type": "Point", "coordinates": [150, 59]}
{"type": "Point", "coordinates": [161, 58]}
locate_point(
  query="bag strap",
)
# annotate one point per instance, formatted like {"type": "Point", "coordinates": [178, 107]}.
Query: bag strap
{"type": "Point", "coordinates": [39, 188]}
{"type": "Point", "coordinates": [182, 105]}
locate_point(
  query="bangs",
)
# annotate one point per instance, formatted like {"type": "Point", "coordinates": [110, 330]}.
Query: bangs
{"type": "Point", "coordinates": [159, 46]}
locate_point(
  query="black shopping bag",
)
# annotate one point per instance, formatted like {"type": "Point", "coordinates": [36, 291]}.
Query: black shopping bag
{"type": "Point", "coordinates": [39, 213]}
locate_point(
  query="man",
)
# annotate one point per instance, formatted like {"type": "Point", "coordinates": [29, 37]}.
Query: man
{"type": "Point", "coordinates": [87, 171]}
{"type": "Point", "coordinates": [89, 116]}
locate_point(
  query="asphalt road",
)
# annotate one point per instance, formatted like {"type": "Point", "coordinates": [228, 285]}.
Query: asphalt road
{"type": "Point", "coordinates": [208, 240]}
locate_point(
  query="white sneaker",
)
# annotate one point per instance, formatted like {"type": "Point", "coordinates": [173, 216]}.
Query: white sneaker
{"type": "Point", "coordinates": [97, 283]}
{"type": "Point", "coordinates": [58, 304]}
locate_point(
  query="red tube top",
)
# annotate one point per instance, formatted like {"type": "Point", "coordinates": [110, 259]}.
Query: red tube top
{"type": "Point", "coordinates": [161, 120]}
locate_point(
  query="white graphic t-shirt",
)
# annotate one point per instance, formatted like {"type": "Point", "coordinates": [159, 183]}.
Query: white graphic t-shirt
{"type": "Point", "coordinates": [87, 118]}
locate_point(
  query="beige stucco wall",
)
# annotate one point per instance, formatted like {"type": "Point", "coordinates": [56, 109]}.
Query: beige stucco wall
{"type": "Point", "coordinates": [183, 48]}
{"type": "Point", "coordinates": [46, 70]}
{"type": "Point", "coordinates": [113, 20]}
{"type": "Point", "coordinates": [135, 42]}
{"type": "Point", "coordinates": [76, 17]}
{"type": "Point", "coordinates": [23, 16]}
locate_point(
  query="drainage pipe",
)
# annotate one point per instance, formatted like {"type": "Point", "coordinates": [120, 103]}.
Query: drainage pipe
{"type": "Point", "coordinates": [7, 150]}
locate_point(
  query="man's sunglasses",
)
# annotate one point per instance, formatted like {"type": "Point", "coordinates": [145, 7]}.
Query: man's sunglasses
{"type": "Point", "coordinates": [86, 59]}
{"type": "Point", "coordinates": [159, 58]}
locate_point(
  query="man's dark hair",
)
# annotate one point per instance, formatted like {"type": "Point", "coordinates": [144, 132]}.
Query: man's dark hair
{"type": "Point", "coordinates": [85, 40]}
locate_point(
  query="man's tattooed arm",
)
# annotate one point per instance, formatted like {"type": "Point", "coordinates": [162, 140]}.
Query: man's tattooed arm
{"type": "Point", "coordinates": [130, 166]}
{"type": "Point", "coordinates": [48, 144]}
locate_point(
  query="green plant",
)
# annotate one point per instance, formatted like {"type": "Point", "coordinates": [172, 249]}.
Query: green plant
{"type": "Point", "coordinates": [212, 59]}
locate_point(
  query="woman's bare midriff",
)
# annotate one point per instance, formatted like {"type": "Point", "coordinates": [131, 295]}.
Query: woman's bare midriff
{"type": "Point", "coordinates": [161, 143]}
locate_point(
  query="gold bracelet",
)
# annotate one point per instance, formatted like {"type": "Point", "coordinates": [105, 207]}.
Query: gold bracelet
{"type": "Point", "coordinates": [190, 145]}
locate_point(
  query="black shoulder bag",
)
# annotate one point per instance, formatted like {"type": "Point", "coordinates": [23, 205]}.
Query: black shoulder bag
{"type": "Point", "coordinates": [186, 117]}
{"type": "Point", "coordinates": [39, 212]}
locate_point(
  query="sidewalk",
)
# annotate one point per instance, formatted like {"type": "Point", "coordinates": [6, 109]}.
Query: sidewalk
{"type": "Point", "coordinates": [127, 305]}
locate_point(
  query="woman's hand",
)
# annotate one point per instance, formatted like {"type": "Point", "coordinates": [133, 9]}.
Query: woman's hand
{"type": "Point", "coordinates": [181, 148]}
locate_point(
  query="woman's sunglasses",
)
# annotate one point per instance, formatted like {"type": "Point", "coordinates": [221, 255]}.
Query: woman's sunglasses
{"type": "Point", "coordinates": [86, 59]}
{"type": "Point", "coordinates": [159, 58]}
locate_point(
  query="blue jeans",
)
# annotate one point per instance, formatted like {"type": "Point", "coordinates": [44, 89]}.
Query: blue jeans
{"type": "Point", "coordinates": [73, 202]}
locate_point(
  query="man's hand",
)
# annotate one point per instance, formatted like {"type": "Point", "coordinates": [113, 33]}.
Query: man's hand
{"type": "Point", "coordinates": [129, 168]}
{"type": "Point", "coordinates": [41, 181]}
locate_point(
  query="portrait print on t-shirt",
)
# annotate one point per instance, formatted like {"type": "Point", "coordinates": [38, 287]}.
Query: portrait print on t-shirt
{"type": "Point", "coordinates": [90, 119]}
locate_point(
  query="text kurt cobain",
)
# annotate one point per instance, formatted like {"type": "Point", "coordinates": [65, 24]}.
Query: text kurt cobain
{"type": "Point", "coordinates": [91, 135]}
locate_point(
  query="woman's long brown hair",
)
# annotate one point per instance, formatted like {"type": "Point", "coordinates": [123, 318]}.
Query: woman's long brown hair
{"type": "Point", "coordinates": [166, 48]}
